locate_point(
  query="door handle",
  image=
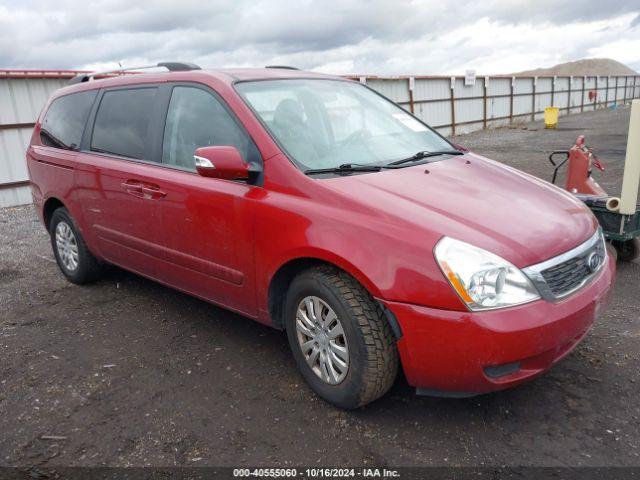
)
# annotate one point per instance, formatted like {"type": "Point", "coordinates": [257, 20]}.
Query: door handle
{"type": "Point", "coordinates": [141, 190]}
{"type": "Point", "coordinates": [132, 188]}
{"type": "Point", "coordinates": [152, 192]}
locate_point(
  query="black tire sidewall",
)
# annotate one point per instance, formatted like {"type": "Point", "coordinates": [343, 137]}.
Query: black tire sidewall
{"type": "Point", "coordinates": [348, 392]}
{"type": "Point", "coordinates": [629, 250]}
{"type": "Point", "coordinates": [79, 274]}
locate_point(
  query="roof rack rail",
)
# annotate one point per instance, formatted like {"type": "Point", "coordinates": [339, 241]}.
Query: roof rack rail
{"type": "Point", "coordinates": [171, 66]}
{"type": "Point", "coordinates": [284, 67]}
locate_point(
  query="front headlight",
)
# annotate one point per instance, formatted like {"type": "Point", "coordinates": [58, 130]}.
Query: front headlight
{"type": "Point", "coordinates": [481, 279]}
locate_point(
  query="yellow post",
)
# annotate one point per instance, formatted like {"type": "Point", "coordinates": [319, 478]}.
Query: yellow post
{"type": "Point", "coordinates": [551, 117]}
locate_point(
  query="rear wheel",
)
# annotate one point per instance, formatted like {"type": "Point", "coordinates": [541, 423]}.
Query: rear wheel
{"type": "Point", "coordinates": [340, 338]}
{"type": "Point", "coordinates": [627, 251]}
{"type": "Point", "coordinates": [74, 258]}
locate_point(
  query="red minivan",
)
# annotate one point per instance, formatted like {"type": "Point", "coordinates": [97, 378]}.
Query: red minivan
{"type": "Point", "coordinates": [312, 204]}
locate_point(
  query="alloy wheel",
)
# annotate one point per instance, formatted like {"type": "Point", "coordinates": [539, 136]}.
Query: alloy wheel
{"type": "Point", "coordinates": [67, 246]}
{"type": "Point", "coordinates": [322, 340]}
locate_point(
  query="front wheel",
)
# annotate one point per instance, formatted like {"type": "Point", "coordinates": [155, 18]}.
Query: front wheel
{"type": "Point", "coordinates": [340, 338]}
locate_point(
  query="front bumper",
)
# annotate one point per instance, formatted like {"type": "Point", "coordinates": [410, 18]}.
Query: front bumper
{"type": "Point", "coordinates": [455, 353]}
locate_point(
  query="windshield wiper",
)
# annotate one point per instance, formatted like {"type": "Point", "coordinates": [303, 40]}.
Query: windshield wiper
{"type": "Point", "coordinates": [423, 154]}
{"type": "Point", "coordinates": [345, 168]}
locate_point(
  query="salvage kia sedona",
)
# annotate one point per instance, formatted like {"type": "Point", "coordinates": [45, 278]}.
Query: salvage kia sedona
{"type": "Point", "coordinates": [314, 205]}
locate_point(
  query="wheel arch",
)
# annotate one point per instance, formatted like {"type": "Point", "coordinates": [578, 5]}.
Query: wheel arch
{"type": "Point", "coordinates": [283, 276]}
{"type": "Point", "coordinates": [50, 206]}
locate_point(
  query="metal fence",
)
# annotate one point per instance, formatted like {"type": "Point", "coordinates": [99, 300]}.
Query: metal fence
{"type": "Point", "coordinates": [453, 108]}
{"type": "Point", "coordinates": [445, 103]}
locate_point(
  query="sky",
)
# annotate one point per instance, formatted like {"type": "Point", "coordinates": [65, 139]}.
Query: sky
{"type": "Point", "coordinates": [342, 37]}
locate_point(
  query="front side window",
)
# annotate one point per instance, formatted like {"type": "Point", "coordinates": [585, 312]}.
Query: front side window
{"type": "Point", "coordinates": [122, 122]}
{"type": "Point", "coordinates": [64, 122]}
{"type": "Point", "coordinates": [327, 123]}
{"type": "Point", "coordinates": [197, 119]}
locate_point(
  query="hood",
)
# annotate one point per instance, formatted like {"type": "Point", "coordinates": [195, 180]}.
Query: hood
{"type": "Point", "coordinates": [479, 201]}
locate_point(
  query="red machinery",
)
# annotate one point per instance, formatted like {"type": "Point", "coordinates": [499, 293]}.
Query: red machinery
{"type": "Point", "coordinates": [622, 231]}
{"type": "Point", "coordinates": [581, 160]}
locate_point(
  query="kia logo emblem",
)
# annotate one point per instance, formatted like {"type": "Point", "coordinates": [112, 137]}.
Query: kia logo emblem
{"type": "Point", "coordinates": [593, 261]}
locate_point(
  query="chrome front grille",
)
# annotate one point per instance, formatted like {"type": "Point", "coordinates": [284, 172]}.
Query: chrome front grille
{"type": "Point", "coordinates": [562, 275]}
{"type": "Point", "coordinates": [568, 275]}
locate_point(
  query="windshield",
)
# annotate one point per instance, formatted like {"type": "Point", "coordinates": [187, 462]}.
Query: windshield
{"type": "Point", "coordinates": [328, 123]}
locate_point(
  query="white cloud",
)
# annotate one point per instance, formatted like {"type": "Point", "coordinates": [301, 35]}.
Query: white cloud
{"type": "Point", "coordinates": [337, 36]}
{"type": "Point", "coordinates": [626, 50]}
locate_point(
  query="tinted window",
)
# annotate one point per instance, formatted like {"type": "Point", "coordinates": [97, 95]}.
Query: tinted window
{"type": "Point", "coordinates": [197, 119]}
{"type": "Point", "coordinates": [64, 122]}
{"type": "Point", "coordinates": [122, 122]}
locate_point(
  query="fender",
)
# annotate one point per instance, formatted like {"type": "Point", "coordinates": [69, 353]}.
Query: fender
{"type": "Point", "coordinates": [405, 272]}
{"type": "Point", "coordinates": [327, 256]}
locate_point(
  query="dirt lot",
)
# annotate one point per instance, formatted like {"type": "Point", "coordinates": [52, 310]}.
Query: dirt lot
{"type": "Point", "coordinates": [128, 372]}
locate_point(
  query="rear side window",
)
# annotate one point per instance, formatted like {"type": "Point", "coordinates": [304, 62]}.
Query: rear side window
{"type": "Point", "coordinates": [64, 122]}
{"type": "Point", "coordinates": [122, 122]}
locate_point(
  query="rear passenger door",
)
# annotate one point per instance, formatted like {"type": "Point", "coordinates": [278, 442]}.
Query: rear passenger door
{"type": "Point", "coordinates": [208, 222]}
{"type": "Point", "coordinates": [117, 177]}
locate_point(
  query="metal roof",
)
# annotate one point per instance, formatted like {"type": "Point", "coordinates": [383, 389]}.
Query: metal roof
{"type": "Point", "coordinates": [40, 73]}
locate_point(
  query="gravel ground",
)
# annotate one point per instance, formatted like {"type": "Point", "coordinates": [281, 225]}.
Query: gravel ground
{"type": "Point", "coordinates": [128, 372]}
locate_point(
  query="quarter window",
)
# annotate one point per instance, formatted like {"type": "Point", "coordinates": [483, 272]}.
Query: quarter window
{"type": "Point", "coordinates": [64, 122]}
{"type": "Point", "coordinates": [197, 119]}
{"type": "Point", "coordinates": [122, 122]}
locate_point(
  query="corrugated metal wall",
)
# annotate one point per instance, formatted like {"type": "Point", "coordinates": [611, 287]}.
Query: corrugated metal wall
{"type": "Point", "coordinates": [445, 103]}
{"type": "Point", "coordinates": [22, 96]}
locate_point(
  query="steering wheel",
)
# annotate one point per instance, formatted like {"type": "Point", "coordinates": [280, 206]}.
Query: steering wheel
{"type": "Point", "coordinates": [356, 137]}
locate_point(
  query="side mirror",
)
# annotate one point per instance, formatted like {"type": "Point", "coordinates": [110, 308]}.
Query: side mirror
{"type": "Point", "coordinates": [221, 162]}
{"type": "Point", "coordinates": [460, 148]}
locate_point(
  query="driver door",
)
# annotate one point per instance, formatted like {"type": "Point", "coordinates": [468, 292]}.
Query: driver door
{"type": "Point", "coordinates": [207, 222]}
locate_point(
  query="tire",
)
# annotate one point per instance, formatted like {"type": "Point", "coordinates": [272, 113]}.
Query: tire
{"type": "Point", "coordinates": [627, 251]}
{"type": "Point", "coordinates": [372, 356]}
{"type": "Point", "coordinates": [72, 255]}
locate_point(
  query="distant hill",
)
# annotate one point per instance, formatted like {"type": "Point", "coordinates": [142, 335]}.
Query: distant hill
{"type": "Point", "coordinates": [587, 66]}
